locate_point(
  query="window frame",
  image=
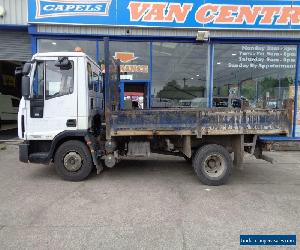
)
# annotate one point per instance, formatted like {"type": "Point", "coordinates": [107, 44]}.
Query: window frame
{"type": "Point", "coordinates": [32, 96]}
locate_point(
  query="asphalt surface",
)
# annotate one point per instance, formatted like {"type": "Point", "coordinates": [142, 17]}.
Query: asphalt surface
{"type": "Point", "coordinates": [156, 203]}
{"type": "Point", "coordinates": [9, 134]}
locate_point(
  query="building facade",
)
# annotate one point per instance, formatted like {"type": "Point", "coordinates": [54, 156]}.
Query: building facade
{"type": "Point", "coordinates": [173, 53]}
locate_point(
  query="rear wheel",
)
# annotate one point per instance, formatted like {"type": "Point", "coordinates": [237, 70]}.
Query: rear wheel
{"type": "Point", "coordinates": [212, 164]}
{"type": "Point", "coordinates": [73, 161]}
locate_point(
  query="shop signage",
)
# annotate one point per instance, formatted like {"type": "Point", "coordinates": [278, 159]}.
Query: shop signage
{"type": "Point", "coordinates": [50, 8]}
{"type": "Point", "coordinates": [264, 57]}
{"type": "Point", "coordinates": [134, 69]}
{"type": "Point", "coordinates": [125, 68]}
{"type": "Point", "coordinates": [206, 14]}
{"type": "Point", "coordinates": [128, 57]}
{"type": "Point", "coordinates": [125, 57]}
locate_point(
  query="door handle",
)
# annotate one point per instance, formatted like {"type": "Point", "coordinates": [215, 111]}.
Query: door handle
{"type": "Point", "coordinates": [71, 123]}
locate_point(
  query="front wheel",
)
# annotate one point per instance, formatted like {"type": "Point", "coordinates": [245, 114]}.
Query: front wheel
{"type": "Point", "coordinates": [212, 164]}
{"type": "Point", "coordinates": [73, 161]}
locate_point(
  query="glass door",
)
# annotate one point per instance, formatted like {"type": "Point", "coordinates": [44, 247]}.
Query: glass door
{"type": "Point", "coordinates": [134, 95]}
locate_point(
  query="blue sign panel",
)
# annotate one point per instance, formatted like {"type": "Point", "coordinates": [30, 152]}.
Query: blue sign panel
{"type": "Point", "coordinates": [268, 240]}
{"type": "Point", "coordinates": [48, 9]}
{"type": "Point", "coordinates": [206, 14]}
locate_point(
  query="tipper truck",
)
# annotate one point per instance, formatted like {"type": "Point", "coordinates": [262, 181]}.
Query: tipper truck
{"type": "Point", "coordinates": [70, 115]}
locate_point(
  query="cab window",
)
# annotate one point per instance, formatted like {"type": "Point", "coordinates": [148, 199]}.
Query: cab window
{"type": "Point", "coordinates": [38, 81]}
{"type": "Point", "coordinates": [59, 81]}
{"type": "Point", "coordinates": [96, 82]}
{"type": "Point", "coordinates": [90, 76]}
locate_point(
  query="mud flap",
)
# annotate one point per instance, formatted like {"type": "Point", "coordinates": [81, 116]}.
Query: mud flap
{"type": "Point", "coordinates": [95, 152]}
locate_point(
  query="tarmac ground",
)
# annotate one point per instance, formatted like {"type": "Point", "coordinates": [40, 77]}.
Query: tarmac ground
{"type": "Point", "coordinates": [154, 203]}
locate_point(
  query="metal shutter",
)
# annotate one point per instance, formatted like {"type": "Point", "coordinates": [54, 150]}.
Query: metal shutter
{"type": "Point", "coordinates": [15, 46]}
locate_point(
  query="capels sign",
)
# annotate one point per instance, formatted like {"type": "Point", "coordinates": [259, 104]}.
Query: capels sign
{"type": "Point", "coordinates": [246, 14]}
{"type": "Point", "coordinates": [50, 8]}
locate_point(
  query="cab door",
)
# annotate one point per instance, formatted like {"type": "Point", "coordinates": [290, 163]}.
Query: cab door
{"type": "Point", "coordinates": [52, 107]}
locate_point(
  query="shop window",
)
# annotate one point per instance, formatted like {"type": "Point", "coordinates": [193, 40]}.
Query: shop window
{"type": "Point", "coordinates": [297, 125]}
{"type": "Point", "coordinates": [47, 45]}
{"type": "Point", "coordinates": [179, 75]}
{"type": "Point", "coordinates": [15, 102]}
{"type": "Point", "coordinates": [134, 59]}
{"type": "Point", "coordinates": [9, 83]}
{"type": "Point", "coordinates": [254, 75]}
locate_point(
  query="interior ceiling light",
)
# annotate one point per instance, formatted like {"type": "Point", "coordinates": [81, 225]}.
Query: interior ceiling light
{"type": "Point", "coordinates": [2, 11]}
{"type": "Point", "coordinates": [53, 43]}
{"type": "Point", "coordinates": [165, 53]}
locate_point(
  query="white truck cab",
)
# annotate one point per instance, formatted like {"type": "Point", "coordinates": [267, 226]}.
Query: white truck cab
{"type": "Point", "coordinates": [62, 98]}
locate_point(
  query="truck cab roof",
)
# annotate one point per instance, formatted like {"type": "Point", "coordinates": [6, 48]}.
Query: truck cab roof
{"type": "Point", "coordinates": [62, 54]}
{"type": "Point", "coordinates": [51, 54]}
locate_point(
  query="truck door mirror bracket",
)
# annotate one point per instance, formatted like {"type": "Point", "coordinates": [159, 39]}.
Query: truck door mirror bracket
{"type": "Point", "coordinates": [25, 70]}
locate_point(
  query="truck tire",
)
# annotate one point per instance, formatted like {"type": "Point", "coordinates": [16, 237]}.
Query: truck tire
{"type": "Point", "coordinates": [73, 161]}
{"type": "Point", "coordinates": [212, 164]}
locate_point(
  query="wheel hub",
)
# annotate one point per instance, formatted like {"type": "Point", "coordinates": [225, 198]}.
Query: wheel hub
{"type": "Point", "coordinates": [72, 161]}
{"type": "Point", "coordinates": [214, 165]}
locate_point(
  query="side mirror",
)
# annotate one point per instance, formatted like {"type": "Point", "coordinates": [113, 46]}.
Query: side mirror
{"type": "Point", "coordinates": [26, 87]}
{"type": "Point", "coordinates": [26, 69]}
{"type": "Point", "coordinates": [63, 63]}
